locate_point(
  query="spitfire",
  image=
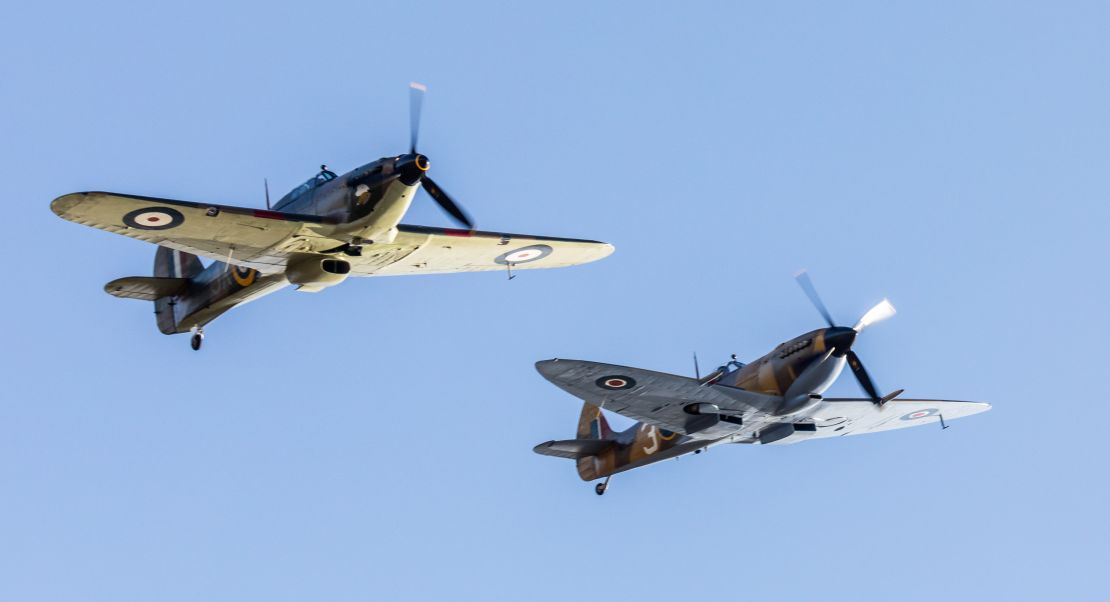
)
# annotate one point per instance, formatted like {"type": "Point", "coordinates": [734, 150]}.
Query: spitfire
{"type": "Point", "coordinates": [776, 399]}
{"type": "Point", "coordinates": [327, 229]}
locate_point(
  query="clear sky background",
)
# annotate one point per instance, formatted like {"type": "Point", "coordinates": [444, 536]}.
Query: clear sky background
{"type": "Point", "coordinates": [374, 441]}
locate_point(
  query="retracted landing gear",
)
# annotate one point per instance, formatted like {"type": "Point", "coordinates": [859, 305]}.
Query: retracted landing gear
{"type": "Point", "coordinates": [197, 338]}
{"type": "Point", "coordinates": [601, 487]}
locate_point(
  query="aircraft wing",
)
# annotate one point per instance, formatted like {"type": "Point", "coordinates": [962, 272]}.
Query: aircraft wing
{"type": "Point", "coordinates": [840, 417]}
{"type": "Point", "coordinates": [656, 398]}
{"type": "Point", "coordinates": [246, 237]}
{"type": "Point", "coordinates": [424, 250]}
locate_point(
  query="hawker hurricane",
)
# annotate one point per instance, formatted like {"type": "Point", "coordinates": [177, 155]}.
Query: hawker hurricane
{"type": "Point", "coordinates": [328, 229]}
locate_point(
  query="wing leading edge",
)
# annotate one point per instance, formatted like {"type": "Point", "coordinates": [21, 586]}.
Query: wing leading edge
{"type": "Point", "coordinates": [246, 237]}
{"type": "Point", "coordinates": [264, 240]}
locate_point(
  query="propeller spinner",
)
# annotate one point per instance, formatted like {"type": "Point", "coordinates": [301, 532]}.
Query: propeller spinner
{"type": "Point", "coordinates": [415, 165]}
{"type": "Point", "coordinates": [841, 338]}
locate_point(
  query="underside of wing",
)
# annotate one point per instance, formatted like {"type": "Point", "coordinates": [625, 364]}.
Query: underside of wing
{"type": "Point", "coordinates": [423, 250]}
{"type": "Point", "coordinates": [246, 237]}
{"type": "Point", "coordinates": [840, 417]}
{"type": "Point", "coordinates": [655, 398]}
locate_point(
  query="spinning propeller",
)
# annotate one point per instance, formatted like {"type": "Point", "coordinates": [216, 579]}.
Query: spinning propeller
{"type": "Point", "coordinates": [414, 166]}
{"type": "Point", "coordinates": [840, 338]}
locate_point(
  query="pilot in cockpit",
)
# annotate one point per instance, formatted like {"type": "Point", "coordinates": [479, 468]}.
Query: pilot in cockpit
{"type": "Point", "coordinates": [721, 371]}
{"type": "Point", "coordinates": [732, 364]}
{"type": "Point", "coordinates": [325, 175]}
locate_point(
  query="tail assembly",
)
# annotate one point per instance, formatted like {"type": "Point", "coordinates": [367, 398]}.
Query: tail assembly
{"type": "Point", "coordinates": [187, 296]}
{"type": "Point", "coordinates": [172, 273]}
{"type": "Point", "coordinates": [601, 453]}
{"type": "Point", "coordinates": [594, 437]}
{"type": "Point", "coordinates": [177, 266]}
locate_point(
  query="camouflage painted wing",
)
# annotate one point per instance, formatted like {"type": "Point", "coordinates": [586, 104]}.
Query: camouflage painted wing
{"type": "Point", "coordinates": [424, 250]}
{"type": "Point", "coordinates": [253, 238]}
{"type": "Point", "coordinates": [841, 417]}
{"type": "Point", "coordinates": [656, 398]}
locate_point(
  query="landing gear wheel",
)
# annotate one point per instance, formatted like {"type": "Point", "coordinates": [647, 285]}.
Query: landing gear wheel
{"type": "Point", "coordinates": [600, 488]}
{"type": "Point", "coordinates": [196, 340]}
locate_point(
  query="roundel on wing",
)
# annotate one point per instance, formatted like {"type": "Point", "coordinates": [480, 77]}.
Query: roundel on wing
{"type": "Point", "coordinates": [523, 255]}
{"type": "Point", "coordinates": [154, 218]}
{"type": "Point", "coordinates": [615, 382]}
{"type": "Point", "coordinates": [243, 276]}
{"type": "Point", "coordinates": [919, 414]}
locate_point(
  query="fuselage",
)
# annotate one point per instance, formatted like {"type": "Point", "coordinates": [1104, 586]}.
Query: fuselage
{"type": "Point", "coordinates": [798, 370]}
{"type": "Point", "coordinates": [367, 203]}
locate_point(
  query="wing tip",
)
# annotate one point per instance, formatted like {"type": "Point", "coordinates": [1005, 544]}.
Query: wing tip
{"type": "Point", "coordinates": [547, 367]}
{"type": "Point", "coordinates": [63, 204]}
{"type": "Point", "coordinates": [604, 250]}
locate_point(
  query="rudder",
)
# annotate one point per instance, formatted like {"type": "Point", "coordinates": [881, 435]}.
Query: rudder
{"type": "Point", "coordinates": [171, 263]}
{"type": "Point", "coordinates": [592, 423]}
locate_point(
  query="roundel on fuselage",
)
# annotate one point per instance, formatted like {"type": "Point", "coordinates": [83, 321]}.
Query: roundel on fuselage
{"type": "Point", "coordinates": [243, 276]}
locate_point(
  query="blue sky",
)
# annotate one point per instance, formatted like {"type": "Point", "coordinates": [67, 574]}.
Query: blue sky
{"type": "Point", "coordinates": [374, 441]}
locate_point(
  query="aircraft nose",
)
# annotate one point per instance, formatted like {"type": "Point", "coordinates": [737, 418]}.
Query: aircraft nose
{"type": "Point", "coordinates": [840, 339]}
{"type": "Point", "coordinates": [412, 168]}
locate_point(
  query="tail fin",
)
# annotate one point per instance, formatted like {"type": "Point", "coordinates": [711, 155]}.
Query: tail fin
{"type": "Point", "coordinates": [592, 424]}
{"type": "Point", "coordinates": [170, 263]}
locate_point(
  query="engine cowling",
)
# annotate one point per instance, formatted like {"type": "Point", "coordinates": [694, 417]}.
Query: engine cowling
{"type": "Point", "coordinates": [312, 273]}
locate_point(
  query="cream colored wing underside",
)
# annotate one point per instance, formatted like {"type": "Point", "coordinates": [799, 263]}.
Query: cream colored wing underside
{"type": "Point", "coordinates": [421, 250]}
{"type": "Point", "coordinates": [252, 238]}
{"type": "Point", "coordinates": [263, 240]}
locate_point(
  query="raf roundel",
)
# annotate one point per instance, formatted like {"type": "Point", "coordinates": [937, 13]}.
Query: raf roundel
{"type": "Point", "coordinates": [920, 414]}
{"type": "Point", "coordinates": [154, 218]}
{"type": "Point", "coordinates": [615, 382]}
{"type": "Point", "coordinates": [523, 255]}
{"type": "Point", "coordinates": [243, 276]}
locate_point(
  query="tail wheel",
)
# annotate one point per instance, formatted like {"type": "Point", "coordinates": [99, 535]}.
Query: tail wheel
{"type": "Point", "coordinates": [600, 488]}
{"type": "Point", "coordinates": [196, 340]}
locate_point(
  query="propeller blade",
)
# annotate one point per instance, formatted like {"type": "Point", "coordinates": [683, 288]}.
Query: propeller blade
{"type": "Point", "coordinates": [862, 377]}
{"type": "Point", "coordinates": [416, 102]}
{"type": "Point", "coordinates": [446, 203]}
{"type": "Point", "coordinates": [803, 280]}
{"type": "Point", "coordinates": [883, 310]}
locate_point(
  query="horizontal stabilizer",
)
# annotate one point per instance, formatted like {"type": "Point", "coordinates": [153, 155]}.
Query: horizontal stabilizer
{"type": "Point", "coordinates": [145, 288]}
{"type": "Point", "coordinates": [573, 449]}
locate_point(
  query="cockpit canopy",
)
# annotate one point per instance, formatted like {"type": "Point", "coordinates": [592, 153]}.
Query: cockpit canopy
{"type": "Point", "coordinates": [311, 184]}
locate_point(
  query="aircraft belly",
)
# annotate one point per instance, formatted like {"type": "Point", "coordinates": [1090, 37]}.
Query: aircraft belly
{"type": "Point", "coordinates": [207, 301]}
